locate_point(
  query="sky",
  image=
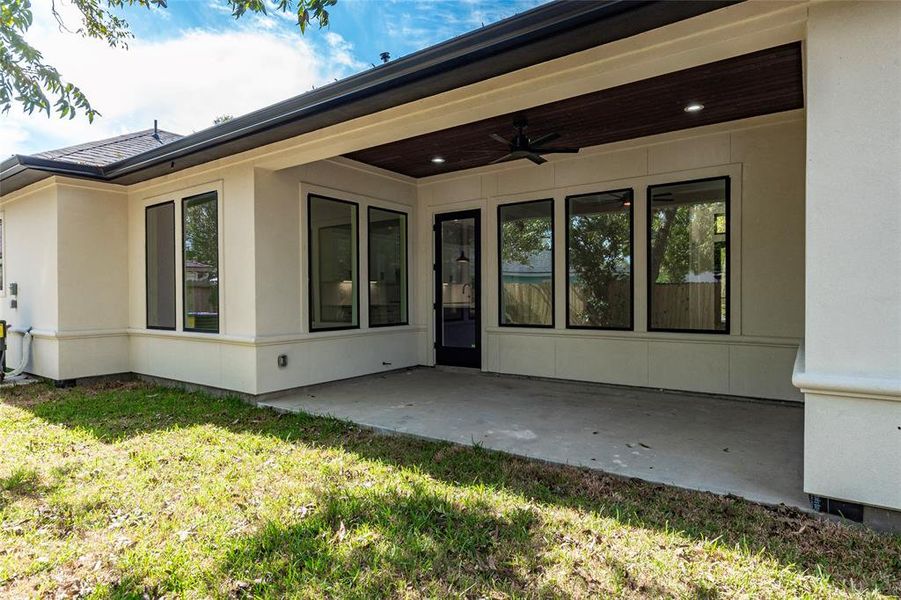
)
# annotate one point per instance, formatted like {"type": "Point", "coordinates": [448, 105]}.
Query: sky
{"type": "Point", "coordinates": [193, 61]}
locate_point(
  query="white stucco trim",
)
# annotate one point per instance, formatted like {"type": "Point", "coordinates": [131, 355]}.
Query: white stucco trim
{"type": "Point", "coordinates": [657, 336]}
{"type": "Point", "coordinates": [829, 384]}
{"type": "Point", "coordinates": [271, 340]}
{"type": "Point", "coordinates": [76, 335]}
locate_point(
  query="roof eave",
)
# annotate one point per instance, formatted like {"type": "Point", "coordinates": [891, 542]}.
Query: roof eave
{"type": "Point", "coordinates": [541, 34]}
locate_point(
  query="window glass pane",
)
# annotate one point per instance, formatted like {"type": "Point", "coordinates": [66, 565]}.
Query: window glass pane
{"type": "Point", "coordinates": [599, 260]}
{"type": "Point", "coordinates": [201, 263]}
{"type": "Point", "coordinates": [689, 256]}
{"type": "Point", "coordinates": [160, 232]}
{"type": "Point", "coordinates": [387, 267]}
{"type": "Point", "coordinates": [333, 264]}
{"type": "Point", "coordinates": [527, 263]}
{"type": "Point", "coordinates": [459, 283]}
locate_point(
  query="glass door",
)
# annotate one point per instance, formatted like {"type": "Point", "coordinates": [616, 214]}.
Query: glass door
{"type": "Point", "coordinates": [457, 289]}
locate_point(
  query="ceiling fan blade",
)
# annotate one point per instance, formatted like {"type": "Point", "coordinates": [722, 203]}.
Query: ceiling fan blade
{"type": "Point", "coordinates": [556, 150]}
{"type": "Point", "coordinates": [498, 138]}
{"type": "Point", "coordinates": [538, 160]}
{"type": "Point", "coordinates": [544, 139]}
{"type": "Point", "coordinates": [505, 158]}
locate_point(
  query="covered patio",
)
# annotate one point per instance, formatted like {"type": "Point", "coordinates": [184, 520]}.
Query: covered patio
{"type": "Point", "coordinates": [744, 447]}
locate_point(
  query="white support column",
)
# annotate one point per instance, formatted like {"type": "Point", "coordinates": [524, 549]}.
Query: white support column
{"type": "Point", "coordinates": [851, 370]}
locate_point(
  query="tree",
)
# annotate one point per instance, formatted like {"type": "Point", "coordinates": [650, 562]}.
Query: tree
{"type": "Point", "coordinates": [201, 234]}
{"type": "Point", "coordinates": [600, 249]}
{"type": "Point", "coordinates": [27, 80]}
{"type": "Point", "coordinates": [599, 253]}
{"type": "Point", "coordinates": [525, 241]}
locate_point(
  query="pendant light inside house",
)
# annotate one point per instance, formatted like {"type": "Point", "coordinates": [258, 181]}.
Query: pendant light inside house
{"type": "Point", "coordinates": [462, 258]}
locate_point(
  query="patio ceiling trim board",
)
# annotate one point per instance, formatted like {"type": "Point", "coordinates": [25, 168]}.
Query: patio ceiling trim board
{"type": "Point", "coordinates": [538, 35]}
{"type": "Point", "coordinates": [759, 83]}
{"type": "Point", "coordinates": [701, 131]}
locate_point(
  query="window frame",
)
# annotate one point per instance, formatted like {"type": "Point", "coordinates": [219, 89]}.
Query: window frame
{"type": "Point", "coordinates": [727, 179]}
{"type": "Point", "coordinates": [310, 311]}
{"type": "Point", "coordinates": [631, 326]}
{"type": "Point", "coordinates": [500, 262]}
{"type": "Point", "coordinates": [147, 324]}
{"type": "Point", "coordinates": [406, 216]}
{"type": "Point", "coordinates": [184, 266]}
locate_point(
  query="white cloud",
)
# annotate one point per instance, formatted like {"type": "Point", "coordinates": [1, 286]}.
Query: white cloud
{"type": "Point", "coordinates": [341, 52]}
{"type": "Point", "coordinates": [184, 82]}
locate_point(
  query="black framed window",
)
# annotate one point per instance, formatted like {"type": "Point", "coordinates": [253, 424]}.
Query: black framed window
{"type": "Point", "coordinates": [688, 256]}
{"type": "Point", "coordinates": [200, 262]}
{"type": "Point", "coordinates": [526, 263]}
{"type": "Point", "coordinates": [333, 244]}
{"type": "Point", "coordinates": [599, 260]}
{"type": "Point", "coordinates": [387, 235]}
{"type": "Point", "coordinates": [159, 259]}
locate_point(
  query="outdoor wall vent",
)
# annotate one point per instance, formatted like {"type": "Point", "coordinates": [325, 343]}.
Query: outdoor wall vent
{"type": "Point", "coordinates": [849, 510]}
{"type": "Point", "coordinates": [282, 360]}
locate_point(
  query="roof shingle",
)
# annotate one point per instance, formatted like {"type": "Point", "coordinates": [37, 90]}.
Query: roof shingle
{"type": "Point", "coordinates": [105, 152]}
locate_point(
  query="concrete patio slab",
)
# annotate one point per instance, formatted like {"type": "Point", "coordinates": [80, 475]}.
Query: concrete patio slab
{"type": "Point", "coordinates": [727, 446]}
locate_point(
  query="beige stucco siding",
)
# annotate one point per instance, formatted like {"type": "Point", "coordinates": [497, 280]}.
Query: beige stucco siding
{"type": "Point", "coordinates": [764, 159]}
{"type": "Point", "coordinates": [93, 281]}
{"type": "Point", "coordinates": [225, 360]}
{"type": "Point", "coordinates": [282, 278]}
{"type": "Point", "coordinates": [851, 368]}
{"type": "Point", "coordinates": [31, 260]}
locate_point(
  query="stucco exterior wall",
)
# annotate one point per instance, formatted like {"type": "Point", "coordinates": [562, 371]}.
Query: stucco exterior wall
{"type": "Point", "coordinates": [31, 260]}
{"type": "Point", "coordinates": [765, 160]}
{"type": "Point", "coordinates": [264, 288]}
{"type": "Point", "coordinates": [225, 360]}
{"type": "Point", "coordinates": [851, 368]}
{"type": "Point", "coordinates": [282, 278]}
{"type": "Point", "coordinates": [93, 281]}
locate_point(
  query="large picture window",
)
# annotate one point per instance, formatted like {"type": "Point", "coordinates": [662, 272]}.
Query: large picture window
{"type": "Point", "coordinates": [526, 263]}
{"type": "Point", "coordinates": [159, 230]}
{"type": "Point", "coordinates": [387, 267]}
{"type": "Point", "coordinates": [333, 252]}
{"type": "Point", "coordinates": [688, 256]}
{"type": "Point", "coordinates": [599, 260]}
{"type": "Point", "coordinates": [200, 268]}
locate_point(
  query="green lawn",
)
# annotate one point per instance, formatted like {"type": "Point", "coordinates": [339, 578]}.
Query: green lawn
{"type": "Point", "coordinates": [128, 490]}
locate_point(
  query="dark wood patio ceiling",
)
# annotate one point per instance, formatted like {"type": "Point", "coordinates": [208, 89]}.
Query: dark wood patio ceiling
{"type": "Point", "coordinates": [763, 82]}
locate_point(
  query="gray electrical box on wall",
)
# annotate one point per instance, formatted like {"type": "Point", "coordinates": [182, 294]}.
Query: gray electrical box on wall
{"type": "Point", "coordinates": [13, 292]}
{"type": "Point", "coordinates": [282, 360]}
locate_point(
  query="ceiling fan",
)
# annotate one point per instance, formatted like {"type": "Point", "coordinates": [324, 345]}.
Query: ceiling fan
{"type": "Point", "coordinates": [523, 146]}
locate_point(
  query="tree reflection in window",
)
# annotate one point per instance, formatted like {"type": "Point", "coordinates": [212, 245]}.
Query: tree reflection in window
{"type": "Point", "coordinates": [688, 270]}
{"type": "Point", "coordinates": [200, 272]}
{"type": "Point", "coordinates": [599, 260]}
{"type": "Point", "coordinates": [527, 263]}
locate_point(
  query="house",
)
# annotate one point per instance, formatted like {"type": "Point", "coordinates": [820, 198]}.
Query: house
{"type": "Point", "coordinates": [730, 223]}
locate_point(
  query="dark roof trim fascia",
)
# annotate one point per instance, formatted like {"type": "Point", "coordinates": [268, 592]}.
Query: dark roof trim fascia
{"type": "Point", "coordinates": [19, 171]}
{"type": "Point", "coordinates": [544, 33]}
{"type": "Point", "coordinates": [59, 167]}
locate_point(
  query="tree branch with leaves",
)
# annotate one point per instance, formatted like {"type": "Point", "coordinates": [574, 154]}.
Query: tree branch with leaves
{"type": "Point", "coordinates": [29, 81]}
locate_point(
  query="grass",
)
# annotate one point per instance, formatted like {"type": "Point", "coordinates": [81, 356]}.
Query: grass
{"type": "Point", "coordinates": [127, 491]}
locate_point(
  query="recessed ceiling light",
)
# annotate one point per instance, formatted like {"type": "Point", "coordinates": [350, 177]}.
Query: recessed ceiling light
{"type": "Point", "coordinates": [694, 107]}
{"type": "Point", "coordinates": [438, 160]}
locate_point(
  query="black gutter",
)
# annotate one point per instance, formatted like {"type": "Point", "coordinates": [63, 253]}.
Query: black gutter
{"type": "Point", "coordinates": [20, 170]}
{"type": "Point", "coordinates": [544, 33]}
